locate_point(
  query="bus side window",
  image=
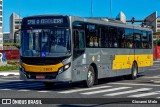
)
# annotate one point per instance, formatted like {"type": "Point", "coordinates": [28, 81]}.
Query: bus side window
{"type": "Point", "coordinates": [79, 44]}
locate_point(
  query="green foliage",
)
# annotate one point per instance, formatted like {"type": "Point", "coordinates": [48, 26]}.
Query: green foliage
{"type": "Point", "coordinates": [11, 44]}
{"type": "Point", "coordinates": [12, 65]}
{"type": "Point", "coordinates": [157, 42]}
{"type": "Point", "coordinates": [8, 68]}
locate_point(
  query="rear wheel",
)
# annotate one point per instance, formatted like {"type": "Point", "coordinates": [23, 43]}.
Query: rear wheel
{"type": "Point", "coordinates": [49, 84]}
{"type": "Point", "coordinates": [90, 77]}
{"type": "Point", "coordinates": [134, 71]}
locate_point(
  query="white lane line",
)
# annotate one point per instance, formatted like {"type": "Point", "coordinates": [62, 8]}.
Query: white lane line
{"type": "Point", "coordinates": [157, 76]}
{"type": "Point", "coordinates": [135, 84]}
{"type": "Point", "coordinates": [144, 94]}
{"type": "Point", "coordinates": [155, 69]}
{"type": "Point", "coordinates": [126, 92]}
{"type": "Point", "coordinates": [156, 61]}
{"type": "Point", "coordinates": [150, 77]}
{"type": "Point", "coordinates": [5, 89]}
{"type": "Point", "coordinates": [155, 66]}
{"type": "Point", "coordinates": [85, 89]}
{"type": "Point", "coordinates": [44, 91]}
{"type": "Point", "coordinates": [107, 90]}
{"type": "Point", "coordinates": [24, 90]}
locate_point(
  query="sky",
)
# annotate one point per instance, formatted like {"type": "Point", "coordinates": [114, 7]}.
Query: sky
{"type": "Point", "coordinates": [101, 8]}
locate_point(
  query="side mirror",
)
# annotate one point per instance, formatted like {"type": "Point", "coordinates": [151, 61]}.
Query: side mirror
{"type": "Point", "coordinates": [17, 39]}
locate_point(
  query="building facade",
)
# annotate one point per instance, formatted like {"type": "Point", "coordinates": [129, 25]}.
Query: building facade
{"type": "Point", "coordinates": [15, 23]}
{"type": "Point", "coordinates": [153, 21]}
{"type": "Point", "coordinates": [1, 24]}
{"type": "Point", "coordinates": [6, 37]}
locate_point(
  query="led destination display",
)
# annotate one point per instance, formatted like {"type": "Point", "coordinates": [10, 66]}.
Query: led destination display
{"type": "Point", "coordinates": [46, 21]}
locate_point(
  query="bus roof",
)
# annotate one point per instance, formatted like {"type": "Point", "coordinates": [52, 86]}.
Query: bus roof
{"type": "Point", "coordinates": [96, 20]}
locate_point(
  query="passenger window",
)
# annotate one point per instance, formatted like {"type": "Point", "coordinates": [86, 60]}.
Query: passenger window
{"type": "Point", "coordinates": [145, 44]}
{"type": "Point", "coordinates": [137, 39]}
{"type": "Point", "coordinates": [128, 38]}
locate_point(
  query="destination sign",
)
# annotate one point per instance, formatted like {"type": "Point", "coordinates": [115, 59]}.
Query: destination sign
{"type": "Point", "coordinates": [46, 21]}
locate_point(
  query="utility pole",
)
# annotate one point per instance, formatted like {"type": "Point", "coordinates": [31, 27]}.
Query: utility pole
{"type": "Point", "coordinates": [111, 8]}
{"type": "Point", "coordinates": [19, 12]}
{"type": "Point", "coordinates": [91, 8]}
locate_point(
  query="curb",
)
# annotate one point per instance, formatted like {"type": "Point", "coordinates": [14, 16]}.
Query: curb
{"type": "Point", "coordinates": [9, 73]}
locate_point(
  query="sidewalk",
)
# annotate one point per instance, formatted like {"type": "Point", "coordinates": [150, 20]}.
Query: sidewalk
{"type": "Point", "coordinates": [9, 73]}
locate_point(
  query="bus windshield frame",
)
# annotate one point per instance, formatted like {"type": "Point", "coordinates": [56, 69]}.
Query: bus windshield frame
{"type": "Point", "coordinates": [45, 42]}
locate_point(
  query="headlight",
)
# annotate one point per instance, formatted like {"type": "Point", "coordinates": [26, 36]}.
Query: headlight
{"type": "Point", "coordinates": [65, 67]}
{"type": "Point", "coordinates": [60, 70]}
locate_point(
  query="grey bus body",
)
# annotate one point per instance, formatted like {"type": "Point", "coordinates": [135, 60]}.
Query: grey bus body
{"type": "Point", "coordinates": [84, 54]}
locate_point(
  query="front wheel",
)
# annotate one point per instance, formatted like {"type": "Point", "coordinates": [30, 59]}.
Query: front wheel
{"type": "Point", "coordinates": [90, 77]}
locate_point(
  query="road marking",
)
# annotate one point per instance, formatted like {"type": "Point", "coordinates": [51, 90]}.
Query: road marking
{"type": "Point", "coordinates": [135, 84]}
{"type": "Point", "coordinates": [156, 61]}
{"type": "Point", "coordinates": [156, 66]}
{"type": "Point", "coordinates": [144, 94]}
{"type": "Point", "coordinates": [24, 90]}
{"type": "Point", "coordinates": [107, 90]}
{"type": "Point", "coordinates": [157, 76]}
{"type": "Point", "coordinates": [5, 89]}
{"type": "Point", "coordinates": [150, 77]}
{"type": "Point", "coordinates": [84, 89]}
{"type": "Point", "coordinates": [44, 91]}
{"type": "Point", "coordinates": [155, 69]}
{"type": "Point", "coordinates": [126, 92]}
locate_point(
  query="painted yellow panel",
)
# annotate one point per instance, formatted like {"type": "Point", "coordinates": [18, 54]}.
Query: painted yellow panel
{"type": "Point", "coordinates": [125, 61]}
{"type": "Point", "coordinates": [38, 68]}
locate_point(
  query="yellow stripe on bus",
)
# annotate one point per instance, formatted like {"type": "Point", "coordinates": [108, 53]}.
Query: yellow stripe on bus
{"type": "Point", "coordinates": [38, 68]}
{"type": "Point", "coordinates": [125, 61]}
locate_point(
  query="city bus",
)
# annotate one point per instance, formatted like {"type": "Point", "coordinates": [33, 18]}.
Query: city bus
{"type": "Point", "coordinates": [63, 48]}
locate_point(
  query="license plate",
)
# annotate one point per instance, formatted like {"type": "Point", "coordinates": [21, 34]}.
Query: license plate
{"type": "Point", "coordinates": [40, 76]}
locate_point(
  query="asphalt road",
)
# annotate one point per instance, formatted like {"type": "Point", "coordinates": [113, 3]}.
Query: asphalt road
{"type": "Point", "coordinates": [147, 85]}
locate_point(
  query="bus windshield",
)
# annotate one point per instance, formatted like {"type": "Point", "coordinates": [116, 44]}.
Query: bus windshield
{"type": "Point", "coordinates": [45, 42]}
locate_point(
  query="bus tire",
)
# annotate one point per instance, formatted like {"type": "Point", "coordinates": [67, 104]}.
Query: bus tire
{"type": "Point", "coordinates": [134, 71]}
{"type": "Point", "coordinates": [90, 77]}
{"type": "Point", "coordinates": [48, 84]}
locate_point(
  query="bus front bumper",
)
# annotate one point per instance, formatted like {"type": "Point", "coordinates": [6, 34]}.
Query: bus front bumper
{"type": "Point", "coordinates": [52, 77]}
